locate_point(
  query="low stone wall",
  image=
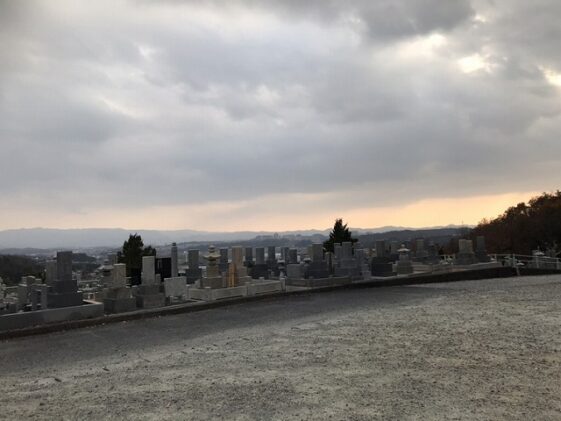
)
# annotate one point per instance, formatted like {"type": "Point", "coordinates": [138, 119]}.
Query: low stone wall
{"type": "Point", "coordinates": [27, 319]}
{"type": "Point", "coordinates": [209, 294]}
{"type": "Point", "coordinates": [320, 282]}
{"type": "Point", "coordinates": [460, 275]}
{"type": "Point", "coordinates": [65, 324]}
{"type": "Point", "coordinates": [249, 289]}
{"type": "Point", "coordinates": [264, 287]}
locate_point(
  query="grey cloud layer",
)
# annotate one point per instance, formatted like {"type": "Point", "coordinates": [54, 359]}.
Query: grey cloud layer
{"type": "Point", "coordinates": [139, 103]}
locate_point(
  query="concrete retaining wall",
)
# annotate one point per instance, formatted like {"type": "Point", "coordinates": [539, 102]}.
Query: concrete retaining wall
{"type": "Point", "coordinates": [320, 282]}
{"type": "Point", "coordinates": [24, 320]}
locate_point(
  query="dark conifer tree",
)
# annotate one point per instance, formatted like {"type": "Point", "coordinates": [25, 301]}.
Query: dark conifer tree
{"type": "Point", "coordinates": [339, 234]}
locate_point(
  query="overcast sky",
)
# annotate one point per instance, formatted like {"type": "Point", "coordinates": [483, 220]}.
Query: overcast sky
{"type": "Point", "coordinates": [228, 115]}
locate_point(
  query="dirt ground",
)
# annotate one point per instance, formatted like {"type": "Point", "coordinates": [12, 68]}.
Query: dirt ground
{"type": "Point", "coordinates": [468, 350]}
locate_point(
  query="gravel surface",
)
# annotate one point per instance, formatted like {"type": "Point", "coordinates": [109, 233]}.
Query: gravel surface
{"type": "Point", "coordinates": [468, 350]}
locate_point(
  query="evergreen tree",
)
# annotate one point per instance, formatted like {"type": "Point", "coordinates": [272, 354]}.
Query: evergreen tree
{"type": "Point", "coordinates": [338, 235]}
{"type": "Point", "coordinates": [132, 252]}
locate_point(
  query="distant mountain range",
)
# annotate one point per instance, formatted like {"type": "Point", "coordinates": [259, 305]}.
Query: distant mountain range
{"type": "Point", "coordinates": [50, 238]}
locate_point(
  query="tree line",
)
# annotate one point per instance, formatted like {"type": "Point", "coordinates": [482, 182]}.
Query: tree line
{"type": "Point", "coordinates": [525, 227]}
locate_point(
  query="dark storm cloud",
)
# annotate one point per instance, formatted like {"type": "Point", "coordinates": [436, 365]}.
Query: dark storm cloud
{"type": "Point", "coordinates": [140, 103]}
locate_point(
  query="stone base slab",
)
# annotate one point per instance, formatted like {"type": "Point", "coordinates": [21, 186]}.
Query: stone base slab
{"type": "Point", "coordinates": [213, 283]}
{"type": "Point", "coordinates": [121, 305]}
{"type": "Point", "coordinates": [70, 299]}
{"type": "Point", "coordinates": [118, 293]}
{"type": "Point", "coordinates": [150, 301]}
{"type": "Point", "coordinates": [265, 287]}
{"type": "Point", "coordinates": [148, 289]}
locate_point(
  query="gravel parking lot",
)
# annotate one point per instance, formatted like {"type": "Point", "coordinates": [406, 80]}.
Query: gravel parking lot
{"type": "Point", "coordinates": [468, 350]}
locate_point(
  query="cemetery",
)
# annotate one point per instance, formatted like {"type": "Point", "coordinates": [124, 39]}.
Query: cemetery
{"type": "Point", "coordinates": [234, 273]}
{"type": "Point", "coordinates": [467, 350]}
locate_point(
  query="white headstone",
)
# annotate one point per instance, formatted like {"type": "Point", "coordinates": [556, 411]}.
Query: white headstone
{"type": "Point", "coordinates": [119, 275]}
{"type": "Point", "coordinates": [148, 270]}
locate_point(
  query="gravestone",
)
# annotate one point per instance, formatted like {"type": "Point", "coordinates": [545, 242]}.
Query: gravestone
{"type": "Point", "coordinates": [50, 272]}
{"type": "Point", "coordinates": [433, 256]}
{"type": "Point", "coordinates": [106, 272]}
{"type": "Point", "coordinates": [420, 251]}
{"type": "Point", "coordinates": [28, 292]}
{"type": "Point", "coordinates": [465, 255]}
{"type": "Point", "coordinates": [380, 264]}
{"type": "Point", "coordinates": [347, 265]}
{"type": "Point", "coordinates": [381, 249]}
{"type": "Point", "coordinates": [148, 270]}
{"type": "Point", "coordinates": [163, 267]}
{"type": "Point", "coordinates": [237, 273]}
{"type": "Point", "coordinates": [148, 293]}
{"type": "Point", "coordinates": [248, 257]}
{"type": "Point", "coordinates": [193, 273]}
{"type": "Point", "coordinates": [293, 256]}
{"type": "Point", "coordinates": [481, 250]}
{"type": "Point", "coordinates": [360, 256]}
{"type": "Point", "coordinates": [394, 254]}
{"type": "Point", "coordinates": [64, 291]}
{"type": "Point", "coordinates": [285, 254]}
{"type": "Point", "coordinates": [260, 269]}
{"type": "Point", "coordinates": [223, 262]}
{"type": "Point", "coordinates": [174, 263]}
{"type": "Point", "coordinates": [404, 265]}
{"type": "Point", "coordinates": [118, 296]}
{"type": "Point", "coordinates": [317, 267]}
{"type": "Point", "coordinates": [330, 261]}
{"type": "Point", "coordinates": [272, 260]}
{"type": "Point", "coordinates": [338, 251]}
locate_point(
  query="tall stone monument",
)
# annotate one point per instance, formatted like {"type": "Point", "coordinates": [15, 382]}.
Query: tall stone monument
{"type": "Point", "coordinates": [317, 268]}
{"type": "Point", "coordinates": [481, 250]}
{"type": "Point", "coordinates": [381, 249]}
{"type": "Point", "coordinates": [237, 272]}
{"type": "Point", "coordinates": [118, 296]}
{"type": "Point", "coordinates": [260, 269]}
{"type": "Point", "coordinates": [347, 264]}
{"type": "Point", "coordinates": [404, 265]}
{"type": "Point", "coordinates": [380, 264]}
{"type": "Point", "coordinates": [149, 293]}
{"type": "Point", "coordinates": [293, 256]}
{"type": "Point", "coordinates": [174, 263]}
{"type": "Point", "coordinates": [50, 272]}
{"type": "Point", "coordinates": [193, 273]}
{"type": "Point", "coordinates": [465, 255]}
{"type": "Point", "coordinates": [420, 250]}
{"type": "Point", "coordinates": [248, 257]}
{"type": "Point", "coordinates": [223, 262]}
{"type": "Point", "coordinates": [64, 291]}
{"type": "Point", "coordinates": [272, 260]}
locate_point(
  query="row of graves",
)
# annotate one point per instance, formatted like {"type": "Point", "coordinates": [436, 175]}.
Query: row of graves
{"type": "Point", "coordinates": [219, 274]}
{"type": "Point", "coordinates": [163, 281]}
{"type": "Point", "coordinates": [54, 300]}
{"type": "Point", "coordinates": [395, 259]}
{"type": "Point", "coordinates": [347, 263]}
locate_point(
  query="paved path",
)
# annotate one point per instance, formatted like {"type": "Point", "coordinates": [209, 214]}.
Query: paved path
{"type": "Point", "coordinates": [467, 350]}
